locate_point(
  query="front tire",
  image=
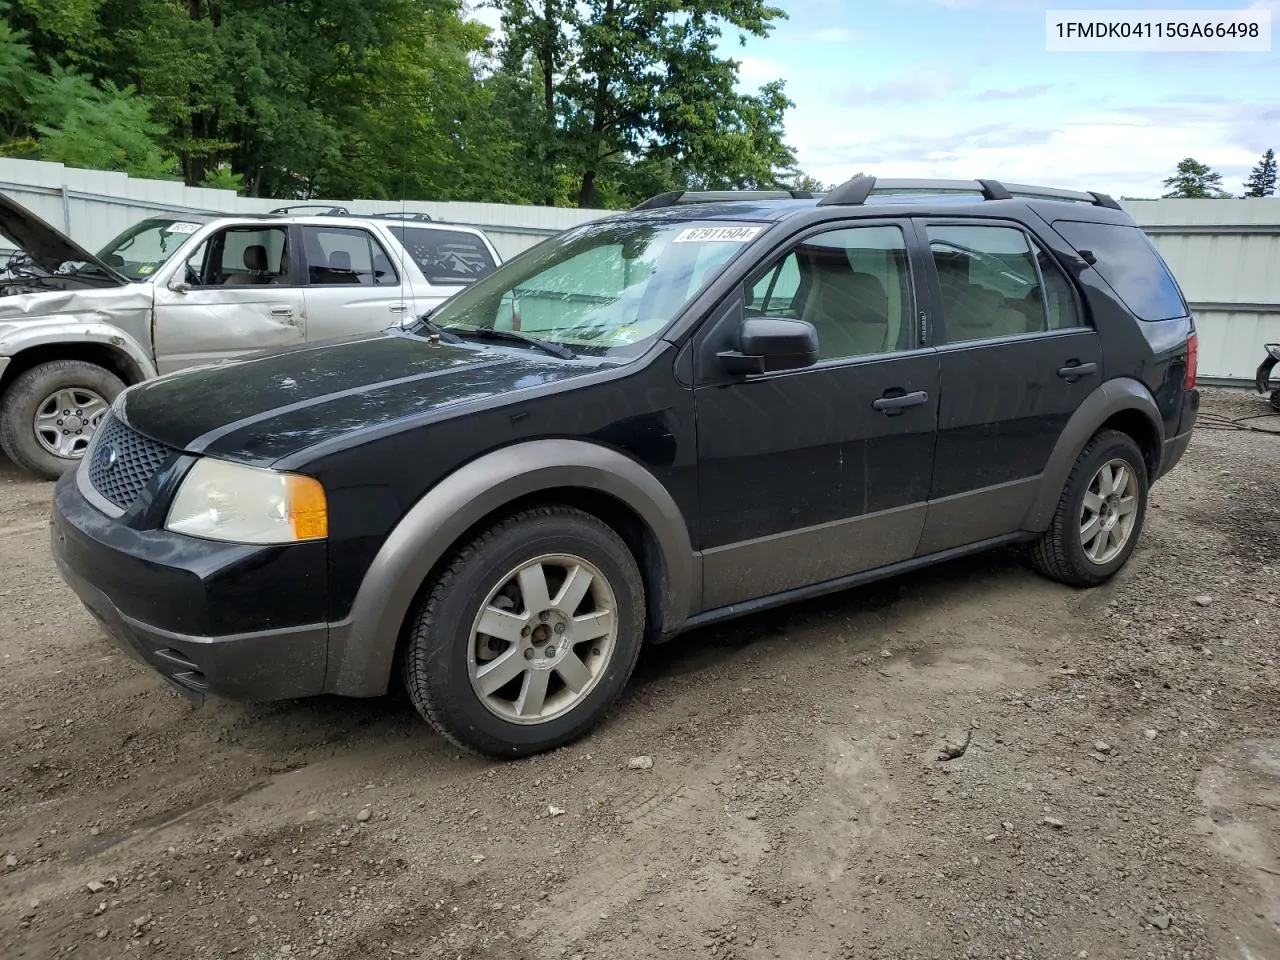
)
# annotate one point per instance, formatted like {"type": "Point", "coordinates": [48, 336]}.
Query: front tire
{"type": "Point", "coordinates": [528, 635]}
{"type": "Point", "coordinates": [1100, 514]}
{"type": "Point", "coordinates": [50, 412]}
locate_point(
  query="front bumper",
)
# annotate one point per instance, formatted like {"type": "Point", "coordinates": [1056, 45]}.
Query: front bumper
{"type": "Point", "coordinates": [168, 601]}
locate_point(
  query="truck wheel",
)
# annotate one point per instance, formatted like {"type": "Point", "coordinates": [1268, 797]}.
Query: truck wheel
{"type": "Point", "coordinates": [1275, 399]}
{"type": "Point", "coordinates": [527, 636]}
{"type": "Point", "coordinates": [1099, 516]}
{"type": "Point", "coordinates": [50, 412]}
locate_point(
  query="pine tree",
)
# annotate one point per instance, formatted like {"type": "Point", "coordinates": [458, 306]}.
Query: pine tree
{"type": "Point", "coordinates": [1195, 181]}
{"type": "Point", "coordinates": [1262, 180]}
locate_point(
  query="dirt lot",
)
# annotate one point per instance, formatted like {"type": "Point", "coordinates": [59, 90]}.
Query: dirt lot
{"type": "Point", "coordinates": [1119, 795]}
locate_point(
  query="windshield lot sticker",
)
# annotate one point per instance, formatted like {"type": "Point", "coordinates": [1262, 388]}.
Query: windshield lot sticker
{"type": "Point", "coordinates": [717, 234]}
{"type": "Point", "coordinates": [146, 268]}
{"type": "Point", "coordinates": [182, 228]}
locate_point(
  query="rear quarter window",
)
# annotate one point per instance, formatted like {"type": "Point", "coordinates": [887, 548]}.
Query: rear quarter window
{"type": "Point", "coordinates": [1130, 264]}
{"type": "Point", "coordinates": [446, 256]}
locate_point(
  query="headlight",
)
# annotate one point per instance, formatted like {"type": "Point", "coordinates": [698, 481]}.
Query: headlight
{"type": "Point", "coordinates": [219, 500]}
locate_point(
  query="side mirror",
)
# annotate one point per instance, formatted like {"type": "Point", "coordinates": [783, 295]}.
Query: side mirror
{"type": "Point", "coordinates": [767, 344]}
{"type": "Point", "coordinates": [179, 286]}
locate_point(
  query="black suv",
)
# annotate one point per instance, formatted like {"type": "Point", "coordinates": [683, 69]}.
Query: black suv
{"type": "Point", "coordinates": [703, 407]}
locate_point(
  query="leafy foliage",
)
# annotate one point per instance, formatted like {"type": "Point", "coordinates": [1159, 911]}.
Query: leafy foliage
{"type": "Point", "coordinates": [588, 102]}
{"type": "Point", "coordinates": [61, 114]}
{"type": "Point", "coordinates": [1262, 179]}
{"type": "Point", "coordinates": [634, 98]}
{"type": "Point", "coordinates": [1195, 181]}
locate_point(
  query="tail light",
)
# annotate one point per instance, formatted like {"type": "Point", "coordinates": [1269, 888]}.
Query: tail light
{"type": "Point", "coordinates": [1193, 360]}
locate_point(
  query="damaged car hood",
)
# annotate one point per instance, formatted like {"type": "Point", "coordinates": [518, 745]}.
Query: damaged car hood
{"type": "Point", "coordinates": [48, 258]}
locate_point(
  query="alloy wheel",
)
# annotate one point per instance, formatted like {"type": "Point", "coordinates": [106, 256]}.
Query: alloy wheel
{"type": "Point", "coordinates": [543, 639]}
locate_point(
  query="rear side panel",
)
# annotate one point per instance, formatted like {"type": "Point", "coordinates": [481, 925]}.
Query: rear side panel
{"type": "Point", "coordinates": [1123, 277]}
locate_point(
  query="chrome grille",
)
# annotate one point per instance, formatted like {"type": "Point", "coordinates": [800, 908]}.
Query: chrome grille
{"type": "Point", "coordinates": [123, 461]}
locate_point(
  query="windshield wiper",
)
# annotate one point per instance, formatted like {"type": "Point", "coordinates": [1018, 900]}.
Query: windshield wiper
{"type": "Point", "coordinates": [514, 336]}
{"type": "Point", "coordinates": [431, 329]}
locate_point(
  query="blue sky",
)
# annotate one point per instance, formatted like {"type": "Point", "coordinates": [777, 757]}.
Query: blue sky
{"type": "Point", "coordinates": [965, 88]}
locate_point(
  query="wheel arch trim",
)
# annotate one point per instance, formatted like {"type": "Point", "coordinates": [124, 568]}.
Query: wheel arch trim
{"type": "Point", "coordinates": [362, 647]}
{"type": "Point", "coordinates": [73, 334]}
{"type": "Point", "coordinates": [1113, 397]}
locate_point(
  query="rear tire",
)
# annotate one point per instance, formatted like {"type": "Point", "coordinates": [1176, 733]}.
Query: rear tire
{"type": "Point", "coordinates": [1275, 400]}
{"type": "Point", "coordinates": [564, 600]}
{"type": "Point", "coordinates": [30, 429]}
{"type": "Point", "coordinates": [1100, 514]}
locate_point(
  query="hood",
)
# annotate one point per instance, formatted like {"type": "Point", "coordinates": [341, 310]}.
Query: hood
{"type": "Point", "coordinates": [49, 250]}
{"type": "Point", "coordinates": [276, 404]}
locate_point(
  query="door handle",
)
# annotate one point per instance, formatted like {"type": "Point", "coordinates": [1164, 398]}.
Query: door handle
{"type": "Point", "coordinates": [282, 311]}
{"type": "Point", "coordinates": [1074, 371]}
{"type": "Point", "coordinates": [891, 405]}
{"type": "Point", "coordinates": [398, 307]}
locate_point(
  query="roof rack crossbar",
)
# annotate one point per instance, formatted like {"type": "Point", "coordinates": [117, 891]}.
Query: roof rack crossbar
{"type": "Point", "coordinates": [856, 191]}
{"type": "Point", "coordinates": [321, 209]}
{"type": "Point", "coordinates": [406, 216]}
{"type": "Point", "coordinates": [719, 196]}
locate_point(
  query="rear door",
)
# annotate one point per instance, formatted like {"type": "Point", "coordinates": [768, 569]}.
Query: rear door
{"type": "Point", "coordinates": [814, 474]}
{"type": "Point", "coordinates": [352, 284]}
{"type": "Point", "coordinates": [1017, 357]}
{"type": "Point", "coordinates": [235, 293]}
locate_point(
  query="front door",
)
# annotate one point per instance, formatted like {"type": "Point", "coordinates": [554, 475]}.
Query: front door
{"type": "Point", "coordinates": [814, 474]}
{"type": "Point", "coordinates": [236, 294]}
{"type": "Point", "coordinates": [352, 284]}
{"type": "Point", "coordinates": [1017, 358]}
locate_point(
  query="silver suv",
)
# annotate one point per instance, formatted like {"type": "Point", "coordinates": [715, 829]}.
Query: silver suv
{"type": "Point", "coordinates": [181, 291]}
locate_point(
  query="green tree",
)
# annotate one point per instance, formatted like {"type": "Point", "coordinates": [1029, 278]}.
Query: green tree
{"type": "Point", "coordinates": [60, 114]}
{"type": "Point", "coordinates": [1195, 181]}
{"type": "Point", "coordinates": [800, 180]}
{"type": "Point", "coordinates": [1262, 179]}
{"type": "Point", "coordinates": [633, 96]}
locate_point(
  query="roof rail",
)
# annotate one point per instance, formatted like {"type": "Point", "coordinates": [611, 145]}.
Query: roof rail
{"type": "Point", "coordinates": [854, 192]}
{"type": "Point", "coordinates": [320, 209]}
{"type": "Point", "coordinates": [417, 217]}
{"type": "Point", "coordinates": [718, 196]}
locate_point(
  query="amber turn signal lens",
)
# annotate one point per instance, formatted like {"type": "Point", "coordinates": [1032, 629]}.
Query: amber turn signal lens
{"type": "Point", "coordinates": [308, 509]}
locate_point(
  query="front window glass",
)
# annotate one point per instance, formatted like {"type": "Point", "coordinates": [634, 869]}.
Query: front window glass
{"type": "Point", "coordinates": [145, 247]}
{"type": "Point", "coordinates": [607, 289]}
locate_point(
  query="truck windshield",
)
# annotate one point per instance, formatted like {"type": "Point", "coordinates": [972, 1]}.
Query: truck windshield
{"type": "Point", "coordinates": [604, 289]}
{"type": "Point", "coordinates": [145, 247]}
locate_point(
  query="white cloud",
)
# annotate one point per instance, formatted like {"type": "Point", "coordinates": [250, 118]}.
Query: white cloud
{"type": "Point", "coordinates": [1122, 153]}
{"type": "Point", "coordinates": [924, 82]}
{"type": "Point", "coordinates": [754, 71]}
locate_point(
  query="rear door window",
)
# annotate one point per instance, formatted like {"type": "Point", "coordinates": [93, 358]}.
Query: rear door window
{"type": "Point", "coordinates": [446, 256]}
{"type": "Point", "coordinates": [346, 255]}
{"type": "Point", "coordinates": [1130, 264]}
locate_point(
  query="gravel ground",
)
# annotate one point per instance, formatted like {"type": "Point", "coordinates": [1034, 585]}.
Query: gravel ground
{"type": "Point", "coordinates": [1112, 787]}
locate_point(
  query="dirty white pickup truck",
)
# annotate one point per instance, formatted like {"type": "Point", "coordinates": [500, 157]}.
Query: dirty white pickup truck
{"type": "Point", "coordinates": [183, 290]}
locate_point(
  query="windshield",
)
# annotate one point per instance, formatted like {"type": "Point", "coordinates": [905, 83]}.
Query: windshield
{"type": "Point", "coordinates": [145, 247]}
{"type": "Point", "coordinates": [606, 289]}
